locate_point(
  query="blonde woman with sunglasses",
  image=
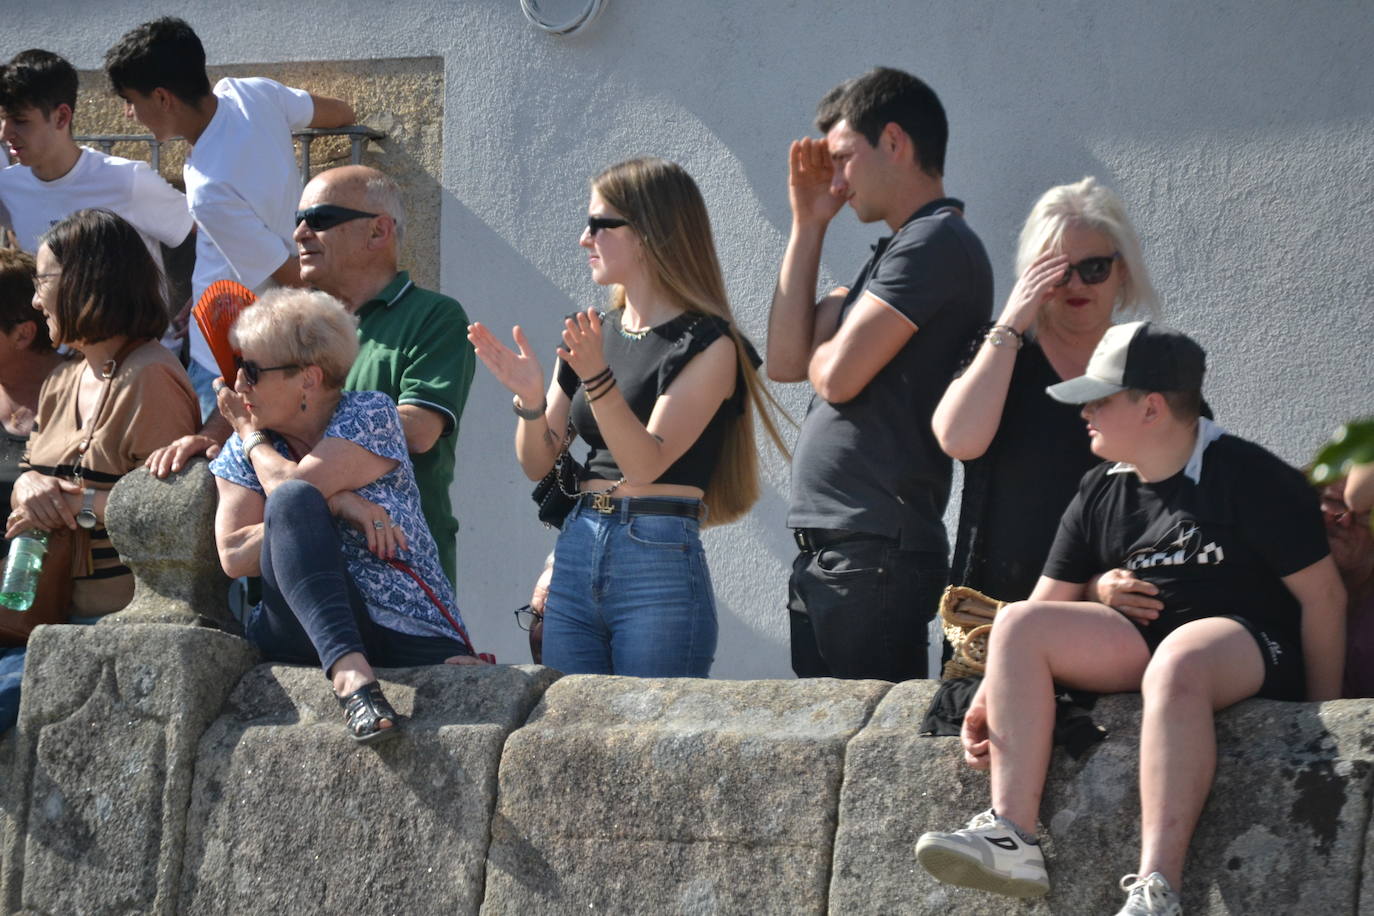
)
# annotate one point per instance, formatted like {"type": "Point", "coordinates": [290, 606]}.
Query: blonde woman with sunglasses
{"type": "Point", "coordinates": [1080, 271]}
{"type": "Point", "coordinates": [662, 388]}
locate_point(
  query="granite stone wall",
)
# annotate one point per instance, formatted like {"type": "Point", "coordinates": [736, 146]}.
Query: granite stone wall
{"type": "Point", "coordinates": [158, 769]}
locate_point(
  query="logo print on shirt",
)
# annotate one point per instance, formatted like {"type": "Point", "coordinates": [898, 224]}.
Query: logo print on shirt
{"type": "Point", "coordinates": [1181, 545]}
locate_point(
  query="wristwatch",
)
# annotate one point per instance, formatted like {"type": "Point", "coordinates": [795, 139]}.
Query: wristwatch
{"type": "Point", "coordinates": [86, 517]}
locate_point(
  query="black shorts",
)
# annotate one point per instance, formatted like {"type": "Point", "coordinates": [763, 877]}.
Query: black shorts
{"type": "Point", "coordinates": [1285, 673]}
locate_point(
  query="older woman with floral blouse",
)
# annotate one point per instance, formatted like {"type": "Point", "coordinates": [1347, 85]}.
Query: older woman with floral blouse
{"type": "Point", "coordinates": [317, 496]}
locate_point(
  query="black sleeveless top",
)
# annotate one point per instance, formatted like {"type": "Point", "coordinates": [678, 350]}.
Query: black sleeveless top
{"type": "Point", "coordinates": [644, 367]}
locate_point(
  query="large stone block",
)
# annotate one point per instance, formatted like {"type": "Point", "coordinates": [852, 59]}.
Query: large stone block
{"type": "Point", "coordinates": [165, 532]}
{"type": "Point", "coordinates": [1283, 831]}
{"type": "Point", "coordinates": [289, 815]}
{"type": "Point", "coordinates": [625, 795]}
{"type": "Point", "coordinates": [108, 729]}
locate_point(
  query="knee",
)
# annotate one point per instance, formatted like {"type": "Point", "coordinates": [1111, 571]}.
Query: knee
{"type": "Point", "coordinates": [293, 501]}
{"type": "Point", "coordinates": [1018, 627]}
{"type": "Point", "coordinates": [1175, 671]}
{"type": "Point", "coordinates": [1019, 620]}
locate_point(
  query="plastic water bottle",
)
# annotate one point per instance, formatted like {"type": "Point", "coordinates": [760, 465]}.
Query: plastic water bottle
{"type": "Point", "coordinates": [23, 566]}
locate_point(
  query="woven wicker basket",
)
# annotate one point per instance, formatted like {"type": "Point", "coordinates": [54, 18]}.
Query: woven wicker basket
{"type": "Point", "coordinates": [966, 617]}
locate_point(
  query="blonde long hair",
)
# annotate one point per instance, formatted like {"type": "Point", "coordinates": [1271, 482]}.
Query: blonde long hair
{"type": "Point", "coordinates": [665, 209]}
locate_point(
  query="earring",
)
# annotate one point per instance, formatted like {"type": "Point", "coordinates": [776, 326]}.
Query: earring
{"type": "Point", "coordinates": [304, 406]}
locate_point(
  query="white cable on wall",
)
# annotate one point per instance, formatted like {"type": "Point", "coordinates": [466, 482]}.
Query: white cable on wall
{"type": "Point", "coordinates": [531, 10]}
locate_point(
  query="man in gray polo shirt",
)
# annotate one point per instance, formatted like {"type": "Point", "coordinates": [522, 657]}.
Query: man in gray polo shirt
{"type": "Point", "coordinates": [869, 482]}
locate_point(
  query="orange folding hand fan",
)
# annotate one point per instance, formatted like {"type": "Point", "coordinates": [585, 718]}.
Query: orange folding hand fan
{"type": "Point", "coordinates": [218, 308]}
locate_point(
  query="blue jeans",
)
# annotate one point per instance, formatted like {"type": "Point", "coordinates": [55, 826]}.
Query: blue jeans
{"type": "Point", "coordinates": [11, 679]}
{"type": "Point", "coordinates": [201, 379]}
{"type": "Point", "coordinates": [861, 608]}
{"type": "Point", "coordinates": [630, 595]}
{"type": "Point", "coordinates": [311, 611]}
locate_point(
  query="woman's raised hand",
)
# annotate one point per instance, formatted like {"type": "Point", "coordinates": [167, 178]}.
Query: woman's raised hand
{"type": "Point", "coordinates": [1033, 289]}
{"type": "Point", "coordinates": [519, 372]}
{"type": "Point", "coordinates": [582, 346]}
{"type": "Point", "coordinates": [233, 407]}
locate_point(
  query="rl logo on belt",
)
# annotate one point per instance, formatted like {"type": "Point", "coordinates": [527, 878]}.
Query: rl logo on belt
{"type": "Point", "coordinates": [602, 503]}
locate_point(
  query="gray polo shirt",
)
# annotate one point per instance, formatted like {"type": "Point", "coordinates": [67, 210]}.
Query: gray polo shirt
{"type": "Point", "coordinates": [872, 464]}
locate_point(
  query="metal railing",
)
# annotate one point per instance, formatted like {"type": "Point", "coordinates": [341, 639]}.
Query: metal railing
{"type": "Point", "coordinates": [357, 135]}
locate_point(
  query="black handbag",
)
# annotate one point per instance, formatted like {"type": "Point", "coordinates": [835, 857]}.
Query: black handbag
{"type": "Point", "coordinates": [556, 493]}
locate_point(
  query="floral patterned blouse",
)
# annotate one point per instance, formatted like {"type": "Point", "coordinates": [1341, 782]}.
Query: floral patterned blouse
{"type": "Point", "coordinates": [394, 599]}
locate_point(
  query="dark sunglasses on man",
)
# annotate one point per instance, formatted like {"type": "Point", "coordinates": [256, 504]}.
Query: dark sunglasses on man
{"type": "Point", "coordinates": [596, 223]}
{"type": "Point", "coordinates": [252, 372]}
{"type": "Point", "coordinates": [1091, 271]}
{"type": "Point", "coordinates": [326, 216]}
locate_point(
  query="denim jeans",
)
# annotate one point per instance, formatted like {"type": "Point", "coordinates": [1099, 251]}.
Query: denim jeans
{"type": "Point", "coordinates": [861, 609]}
{"type": "Point", "coordinates": [201, 381]}
{"type": "Point", "coordinates": [311, 611]}
{"type": "Point", "coordinates": [11, 679]}
{"type": "Point", "coordinates": [630, 595]}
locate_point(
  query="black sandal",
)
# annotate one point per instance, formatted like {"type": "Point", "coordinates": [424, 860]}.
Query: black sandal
{"type": "Point", "coordinates": [364, 709]}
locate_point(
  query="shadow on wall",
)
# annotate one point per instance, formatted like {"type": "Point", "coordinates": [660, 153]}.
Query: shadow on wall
{"type": "Point", "coordinates": [402, 97]}
{"type": "Point", "coordinates": [501, 543]}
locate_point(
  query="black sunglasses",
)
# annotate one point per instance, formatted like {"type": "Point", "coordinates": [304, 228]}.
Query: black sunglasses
{"type": "Point", "coordinates": [1091, 270]}
{"type": "Point", "coordinates": [326, 216]}
{"type": "Point", "coordinates": [596, 223]}
{"type": "Point", "coordinates": [252, 372]}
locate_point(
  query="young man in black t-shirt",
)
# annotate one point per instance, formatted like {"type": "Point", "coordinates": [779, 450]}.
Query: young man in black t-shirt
{"type": "Point", "coordinates": [869, 481]}
{"type": "Point", "coordinates": [1226, 539]}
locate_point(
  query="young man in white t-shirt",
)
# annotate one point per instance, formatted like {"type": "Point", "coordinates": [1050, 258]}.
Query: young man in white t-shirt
{"type": "Point", "coordinates": [242, 182]}
{"type": "Point", "coordinates": [52, 177]}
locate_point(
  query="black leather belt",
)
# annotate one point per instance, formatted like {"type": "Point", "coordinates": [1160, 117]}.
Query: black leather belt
{"type": "Point", "coordinates": [811, 540]}
{"type": "Point", "coordinates": [645, 505]}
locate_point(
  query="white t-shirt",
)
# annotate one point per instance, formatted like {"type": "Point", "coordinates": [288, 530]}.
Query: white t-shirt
{"type": "Point", "coordinates": [243, 186]}
{"type": "Point", "coordinates": [129, 188]}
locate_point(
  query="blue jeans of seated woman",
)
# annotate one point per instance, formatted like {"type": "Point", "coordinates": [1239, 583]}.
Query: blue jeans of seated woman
{"type": "Point", "coordinates": [311, 611]}
{"type": "Point", "coordinates": [630, 595]}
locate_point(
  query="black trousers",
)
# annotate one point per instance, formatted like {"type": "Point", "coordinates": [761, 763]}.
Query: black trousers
{"type": "Point", "coordinates": [860, 607]}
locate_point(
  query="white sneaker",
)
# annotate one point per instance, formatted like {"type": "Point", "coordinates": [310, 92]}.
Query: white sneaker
{"type": "Point", "coordinates": [989, 855]}
{"type": "Point", "coordinates": [1149, 896]}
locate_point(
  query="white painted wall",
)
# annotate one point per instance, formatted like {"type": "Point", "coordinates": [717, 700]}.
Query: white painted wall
{"type": "Point", "coordinates": [1239, 133]}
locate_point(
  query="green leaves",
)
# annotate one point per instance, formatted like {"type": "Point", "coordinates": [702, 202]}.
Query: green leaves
{"type": "Point", "coordinates": [1352, 444]}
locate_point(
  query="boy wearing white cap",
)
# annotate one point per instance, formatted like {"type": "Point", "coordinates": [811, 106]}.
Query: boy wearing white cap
{"type": "Point", "coordinates": [1228, 539]}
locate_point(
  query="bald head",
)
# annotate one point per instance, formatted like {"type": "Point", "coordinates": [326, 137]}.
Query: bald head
{"type": "Point", "coordinates": [361, 188]}
{"type": "Point", "coordinates": [350, 255]}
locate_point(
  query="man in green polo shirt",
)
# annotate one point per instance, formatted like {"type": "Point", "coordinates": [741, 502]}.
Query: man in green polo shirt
{"type": "Point", "coordinates": [414, 344]}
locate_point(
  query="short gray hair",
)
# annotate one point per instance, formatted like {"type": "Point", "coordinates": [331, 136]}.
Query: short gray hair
{"type": "Point", "coordinates": [384, 195]}
{"type": "Point", "coordinates": [1092, 205]}
{"type": "Point", "coordinates": [302, 326]}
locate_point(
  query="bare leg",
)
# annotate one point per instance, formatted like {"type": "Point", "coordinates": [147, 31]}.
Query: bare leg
{"type": "Point", "coordinates": [1079, 644]}
{"type": "Point", "coordinates": [1200, 668]}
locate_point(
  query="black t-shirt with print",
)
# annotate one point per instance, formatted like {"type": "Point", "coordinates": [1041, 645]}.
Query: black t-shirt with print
{"type": "Point", "coordinates": [1220, 546]}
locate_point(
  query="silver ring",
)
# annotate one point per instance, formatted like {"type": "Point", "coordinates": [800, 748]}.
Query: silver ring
{"type": "Point", "coordinates": [377, 524]}
{"type": "Point", "coordinates": [395, 524]}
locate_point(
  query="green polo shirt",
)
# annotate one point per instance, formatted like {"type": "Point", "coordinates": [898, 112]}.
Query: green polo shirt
{"type": "Point", "coordinates": [414, 347]}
